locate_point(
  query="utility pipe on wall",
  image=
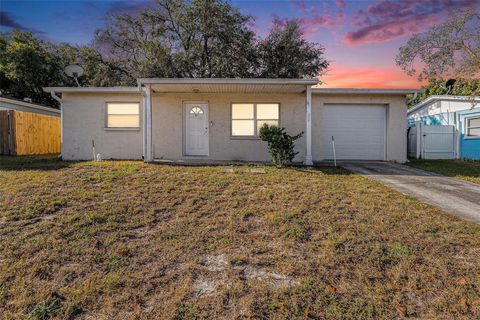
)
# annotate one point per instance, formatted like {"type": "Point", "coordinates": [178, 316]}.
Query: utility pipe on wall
{"type": "Point", "coordinates": [57, 98]}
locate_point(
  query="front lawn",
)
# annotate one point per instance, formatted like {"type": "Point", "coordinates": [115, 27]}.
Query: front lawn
{"type": "Point", "coordinates": [460, 169]}
{"type": "Point", "coordinates": [127, 240]}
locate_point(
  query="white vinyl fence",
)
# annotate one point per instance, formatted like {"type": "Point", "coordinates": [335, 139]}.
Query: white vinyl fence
{"type": "Point", "coordinates": [432, 142]}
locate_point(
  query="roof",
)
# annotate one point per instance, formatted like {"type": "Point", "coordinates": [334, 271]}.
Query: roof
{"type": "Point", "coordinates": [436, 98]}
{"type": "Point", "coordinates": [7, 102]}
{"type": "Point", "coordinates": [277, 81]}
{"type": "Point", "coordinates": [364, 91]}
{"type": "Point", "coordinates": [91, 89]}
{"type": "Point", "coordinates": [230, 85]}
{"type": "Point", "coordinates": [227, 85]}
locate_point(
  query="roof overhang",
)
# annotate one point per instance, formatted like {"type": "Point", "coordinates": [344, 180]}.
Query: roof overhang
{"type": "Point", "coordinates": [7, 103]}
{"type": "Point", "coordinates": [365, 91]}
{"type": "Point", "coordinates": [226, 85]}
{"type": "Point", "coordinates": [92, 89]}
{"type": "Point", "coordinates": [436, 98]}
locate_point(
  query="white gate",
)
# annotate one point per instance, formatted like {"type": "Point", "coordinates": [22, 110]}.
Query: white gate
{"type": "Point", "coordinates": [432, 142]}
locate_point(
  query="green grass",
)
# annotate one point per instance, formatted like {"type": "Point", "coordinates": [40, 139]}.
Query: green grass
{"type": "Point", "coordinates": [460, 169]}
{"type": "Point", "coordinates": [128, 240]}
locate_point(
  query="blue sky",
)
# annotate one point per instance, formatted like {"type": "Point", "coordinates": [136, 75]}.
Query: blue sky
{"type": "Point", "coordinates": [361, 37]}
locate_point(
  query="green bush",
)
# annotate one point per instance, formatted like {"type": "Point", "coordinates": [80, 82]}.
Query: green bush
{"type": "Point", "coordinates": [280, 144]}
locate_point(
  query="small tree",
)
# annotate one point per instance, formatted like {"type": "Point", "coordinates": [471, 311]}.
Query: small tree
{"type": "Point", "coordinates": [280, 144]}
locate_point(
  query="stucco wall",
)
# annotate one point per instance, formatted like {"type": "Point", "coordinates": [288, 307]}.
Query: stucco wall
{"type": "Point", "coordinates": [396, 138]}
{"type": "Point", "coordinates": [167, 110]}
{"type": "Point", "coordinates": [84, 121]}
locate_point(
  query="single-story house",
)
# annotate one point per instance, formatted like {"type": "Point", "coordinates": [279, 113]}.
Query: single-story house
{"type": "Point", "coordinates": [8, 103]}
{"type": "Point", "coordinates": [461, 112]}
{"type": "Point", "coordinates": [219, 119]}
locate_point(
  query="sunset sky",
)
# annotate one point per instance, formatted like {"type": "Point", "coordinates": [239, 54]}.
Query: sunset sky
{"type": "Point", "coordinates": [361, 37]}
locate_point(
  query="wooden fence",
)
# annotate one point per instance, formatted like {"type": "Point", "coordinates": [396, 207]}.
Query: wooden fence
{"type": "Point", "coordinates": [25, 133]}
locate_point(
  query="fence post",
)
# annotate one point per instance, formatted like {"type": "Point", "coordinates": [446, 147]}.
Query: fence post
{"type": "Point", "coordinates": [418, 127]}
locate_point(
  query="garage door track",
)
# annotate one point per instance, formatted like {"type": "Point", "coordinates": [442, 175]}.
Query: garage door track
{"type": "Point", "coordinates": [456, 197]}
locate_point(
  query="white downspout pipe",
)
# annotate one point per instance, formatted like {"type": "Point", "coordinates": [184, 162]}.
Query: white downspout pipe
{"type": "Point", "coordinates": [147, 124]}
{"type": "Point", "coordinates": [308, 129]}
{"type": "Point", "coordinates": [57, 98]}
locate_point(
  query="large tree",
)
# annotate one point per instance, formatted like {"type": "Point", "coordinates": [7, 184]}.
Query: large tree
{"type": "Point", "coordinates": [178, 38]}
{"type": "Point", "coordinates": [451, 49]}
{"type": "Point", "coordinates": [205, 38]}
{"type": "Point", "coordinates": [173, 38]}
{"type": "Point", "coordinates": [26, 65]}
{"type": "Point", "coordinates": [284, 53]}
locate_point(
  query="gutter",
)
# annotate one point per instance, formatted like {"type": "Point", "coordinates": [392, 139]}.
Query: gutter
{"type": "Point", "coordinates": [92, 89]}
{"type": "Point", "coordinates": [364, 91]}
{"type": "Point", "coordinates": [279, 81]}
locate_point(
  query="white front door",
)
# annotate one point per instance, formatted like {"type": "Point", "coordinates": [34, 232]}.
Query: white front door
{"type": "Point", "coordinates": [196, 129]}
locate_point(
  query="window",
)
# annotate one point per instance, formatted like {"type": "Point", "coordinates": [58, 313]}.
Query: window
{"type": "Point", "coordinates": [123, 115]}
{"type": "Point", "coordinates": [248, 118]}
{"type": "Point", "coordinates": [473, 127]}
{"type": "Point", "coordinates": [196, 111]}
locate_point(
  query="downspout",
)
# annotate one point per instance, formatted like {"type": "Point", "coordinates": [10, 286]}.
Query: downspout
{"type": "Point", "coordinates": [57, 98]}
{"type": "Point", "coordinates": [147, 122]}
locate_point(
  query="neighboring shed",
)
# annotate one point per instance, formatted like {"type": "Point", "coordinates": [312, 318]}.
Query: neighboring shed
{"type": "Point", "coordinates": [27, 128]}
{"type": "Point", "coordinates": [26, 106]}
{"type": "Point", "coordinates": [442, 117]}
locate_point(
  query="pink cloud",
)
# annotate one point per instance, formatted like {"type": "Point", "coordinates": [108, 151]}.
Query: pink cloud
{"type": "Point", "coordinates": [314, 17]}
{"type": "Point", "coordinates": [386, 31]}
{"type": "Point", "coordinates": [387, 20]}
{"type": "Point", "coordinates": [309, 25]}
{"type": "Point", "coordinates": [347, 76]}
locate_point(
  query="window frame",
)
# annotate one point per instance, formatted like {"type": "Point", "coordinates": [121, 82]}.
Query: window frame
{"type": "Point", "coordinates": [467, 127]}
{"type": "Point", "coordinates": [255, 120]}
{"type": "Point", "coordinates": [106, 127]}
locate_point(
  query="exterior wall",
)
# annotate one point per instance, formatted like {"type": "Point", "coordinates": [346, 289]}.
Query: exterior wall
{"type": "Point", "coordinates": [469, 147]}
{"type": "Point", "coordinates": [396, 137]}
{"type": "Point", "coordinates": [84, 118]}
{"type": "Point", "coordinates": [84, 121]}
{"type": "Point", "coordinates": [168, 125]}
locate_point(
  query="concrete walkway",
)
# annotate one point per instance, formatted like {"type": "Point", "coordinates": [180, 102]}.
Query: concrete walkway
{"type": "Point", "coordinates": [456, 197]}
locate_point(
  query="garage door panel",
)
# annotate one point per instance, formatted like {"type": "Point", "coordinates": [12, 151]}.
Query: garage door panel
{"type": "Point", "coordinates": [359, 131]}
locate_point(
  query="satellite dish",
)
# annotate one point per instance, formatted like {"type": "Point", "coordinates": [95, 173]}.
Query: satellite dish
{"type": "Point", "coordinates": [449, 85]}
{"type": "Point", "coordinates": [74, 71]}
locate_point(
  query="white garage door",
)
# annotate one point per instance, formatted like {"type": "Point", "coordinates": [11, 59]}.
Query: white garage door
{"type": "Point", "coordinates": [358, 129]}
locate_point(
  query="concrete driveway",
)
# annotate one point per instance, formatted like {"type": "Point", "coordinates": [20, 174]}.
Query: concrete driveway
{"type": "Point", "coordinates": [456, 197]}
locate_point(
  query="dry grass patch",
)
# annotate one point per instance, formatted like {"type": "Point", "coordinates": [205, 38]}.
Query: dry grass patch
{"type": "Point", "coordinates": [126, 240]}
{"type": "Point", "coordinates": [460, 169]}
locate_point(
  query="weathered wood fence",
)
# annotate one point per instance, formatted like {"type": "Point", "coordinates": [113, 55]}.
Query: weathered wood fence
{"type": "Point", "coordinates": [25, 133]}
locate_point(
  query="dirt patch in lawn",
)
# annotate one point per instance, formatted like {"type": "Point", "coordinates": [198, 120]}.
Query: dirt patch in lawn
{"type": "Point", "coordinates": [126, 240]}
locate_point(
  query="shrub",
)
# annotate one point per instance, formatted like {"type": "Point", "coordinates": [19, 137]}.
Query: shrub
{"type": "Point", "coordinates": [280, 144]}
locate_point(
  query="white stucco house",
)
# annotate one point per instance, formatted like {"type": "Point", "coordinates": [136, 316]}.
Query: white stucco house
{"type": "Point", "coordinates": [219, 119]}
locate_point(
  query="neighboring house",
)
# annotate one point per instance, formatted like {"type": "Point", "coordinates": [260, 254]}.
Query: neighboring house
{"type": "Point", "coordinates": [28, 128]}
{"type": "Point", "coordinates": [219, 119]}
{"type": "Point", "coordinates": [26, 106]}
{"type": "Point", "coordinates": [462, 113]}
